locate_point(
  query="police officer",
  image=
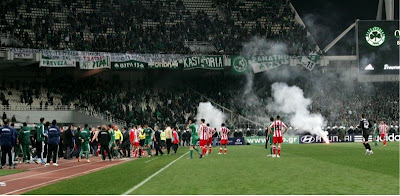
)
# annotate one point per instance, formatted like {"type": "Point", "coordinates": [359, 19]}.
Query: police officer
{"type": "Point", "coordinates": [7, 136]}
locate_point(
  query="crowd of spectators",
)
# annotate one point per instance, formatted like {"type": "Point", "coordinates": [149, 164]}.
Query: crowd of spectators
{"type": "Point", "coordinates": [154, 100]}
{"type": "Point", "coordinates": [152, 26]}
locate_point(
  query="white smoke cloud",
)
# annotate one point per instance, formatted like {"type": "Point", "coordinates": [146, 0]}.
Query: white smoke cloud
{"type": "Point", "coordinates": [290, 101]}
{"type": "Point", "coordinates": [211, 114]}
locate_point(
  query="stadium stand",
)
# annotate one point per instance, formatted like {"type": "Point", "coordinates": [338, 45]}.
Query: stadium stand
{"type": "Point", "coordinates": [158, 26]}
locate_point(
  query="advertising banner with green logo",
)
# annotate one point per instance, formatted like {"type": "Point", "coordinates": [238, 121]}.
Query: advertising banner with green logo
{"type": "Point", "coordinates": [49, 62]}
{"type": "Point", "coordinates": [267, 62]}
{"type": "Point", "coordinates": [164, 65]}
{"type": "Point", "coordinates": [203, 62]}
{"type": "Point", "coordinates": [239, 65]}
{"type": "Point", "coordinates": [130, 64]}
{"type": "Point", "coordinates": [260, 140]}
{"type": "Point", "coordinates": [95, 62]}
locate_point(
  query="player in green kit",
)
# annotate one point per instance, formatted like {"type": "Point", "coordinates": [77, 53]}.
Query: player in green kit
{"type": "Point", "coordinates": [375, 129]}
{"type": "Point", "coordinates": [148, 131]}
{"type": "Point", "coordinates": [85, 137]}
{"type": "Point", "coordinates": [111, 145]}
{"type": "Point", "coordinates": [270, 135]}
{"type": "Point", "coordinates": [194, 139]}
{"type": "Point", "coordinates": [25, 139]}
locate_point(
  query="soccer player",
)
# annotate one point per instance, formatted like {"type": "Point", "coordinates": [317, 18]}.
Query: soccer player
{"type": "Point", "coordinates": [203, 133]}
{"type": "Point", "coordinates": [375, 129]}
{"type": "Point", "coordinates": [383, 129]}
{"type": "Point", "coordinates": [224, 132]}
{"type": "Point", "coordinates": [175, 140]}
{"type": "Point", "coordinates": [112, 141]}
{"type": "Point", "coordinates": [40, 142]}
{"type": "Point", "coordinates": [194, 138]}
{"type": "Point", "coordinates": [270, 136]}
{"type": "Point", "coordinates": [25, 139]}
{"type": "Point", "coordinates": [134, 137]}
{"type": "Point", "coordinates": [147, 143]}
{"type": "Point", "coordinates": [277, 125]}
{"type": "Point", "coordinates": [211, 132]}
{"type": "Point", "coordinates": [364, 126]}
{"type": "Point", "coordinates": [85, 139]}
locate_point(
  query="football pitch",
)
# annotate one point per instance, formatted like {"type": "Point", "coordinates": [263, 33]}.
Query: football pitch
{"type": "Point", "coordinates": [338, 168]}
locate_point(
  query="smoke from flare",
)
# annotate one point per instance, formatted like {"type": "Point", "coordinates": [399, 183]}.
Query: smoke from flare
{"type": "Point", "coordinates": [290, 101]}
{"type": "Point", "coordinates": [211, 114]}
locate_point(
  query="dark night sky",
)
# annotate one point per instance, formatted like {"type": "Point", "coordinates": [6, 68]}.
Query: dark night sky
{"type": "Point", "coordinates": [326, 19]}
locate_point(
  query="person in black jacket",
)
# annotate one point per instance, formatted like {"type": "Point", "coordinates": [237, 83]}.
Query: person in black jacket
{"type": "Point", "coordinates": [78, 142]}
{"type": "Point", "coordinates": [104, 139]}
{"type": "Point", "coordinates": [157, 141]}
{"type": "Point", "coordinates": [7, 136]}
{"type": "Point", "coordinates": [67, 142]}
{"type": "Point", "coordinates": [126, 143]}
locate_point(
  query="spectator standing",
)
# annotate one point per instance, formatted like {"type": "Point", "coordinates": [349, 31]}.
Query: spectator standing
{"type": "Point", "coordinates": [68, 145]}
{"type": "Point", "coordinates": [53, 141]}
{"type": "Point", "coordinates": [126, 143]}
{"type": "Point", "coordinates": [157, 141]}
{"type": "Point", "coordinates": [7, 136]}
{"type": "Point", "coordinates": [104, 138]}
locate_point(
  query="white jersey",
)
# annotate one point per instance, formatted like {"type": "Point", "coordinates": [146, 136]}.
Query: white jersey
{"type": "Point", "coordinates": [203, 132]}
{"type": "Point", "coordinates": [278, 125]}
{"type": "Point", "coordinates": [224, 133]}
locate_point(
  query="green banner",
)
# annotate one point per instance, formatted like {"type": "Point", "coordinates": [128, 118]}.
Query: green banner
{"type": "Point", "coordinates": [164, 65]}
{"type": "Point", "coordinates": [94, 62]}
{"type": "Point", "coordinates": [131, 64]}
{"type": "Point", "coordinates": [265, 63]}
{"type": "Point", "coordinates": [239, 65]}
{"type": "Point", "coordinates": [260, 140]}
{"type": "Point", "coordinates": [204, 62]}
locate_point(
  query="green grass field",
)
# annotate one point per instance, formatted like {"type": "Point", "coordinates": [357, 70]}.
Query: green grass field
{"type": "Point", "coordinates": [7, 171]}
{"type": "Point", "coordinates": [302, 169]}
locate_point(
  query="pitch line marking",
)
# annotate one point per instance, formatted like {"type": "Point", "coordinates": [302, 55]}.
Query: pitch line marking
{"type": "Point", "coordinates": [153, 175]}
{"type": "Point", "coordinates": [66, 177]}
{"type": "Point", "coordinates": [151, 160]}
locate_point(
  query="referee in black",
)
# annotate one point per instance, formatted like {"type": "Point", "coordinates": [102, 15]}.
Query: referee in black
{"type": "Point", "coordinates": [365, 126]}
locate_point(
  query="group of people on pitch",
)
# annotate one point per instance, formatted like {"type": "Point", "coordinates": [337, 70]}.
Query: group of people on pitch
{"type": "Point", "coordinates": [203, 135]}
{"type": "Point", "coordinates": [380, 130]}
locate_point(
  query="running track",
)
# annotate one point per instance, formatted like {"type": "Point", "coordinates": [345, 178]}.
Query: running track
{"type": "Point", "coordinates": [38, 175]}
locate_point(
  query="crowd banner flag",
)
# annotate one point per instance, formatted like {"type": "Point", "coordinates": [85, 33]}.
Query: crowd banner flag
{"type": "Point", "coordinates": [267, 62]}
{"type": "Point", "coordinates": [95, 62]}
{"type": "Point", "coordinates": [129, 64]}
{"type": "Point", "coordinates": [309, 61]}
{"type": "Point", "coordinates": [203, 62]}
{"type": "Point", "coordinates": [239, 65]}
{"type": "Point", "coordinates": [49, 62]}
{"type": "Point", "coordinates": [164, 65]}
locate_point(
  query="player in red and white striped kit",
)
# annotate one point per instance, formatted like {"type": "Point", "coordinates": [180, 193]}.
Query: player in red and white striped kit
{"type": "Point", "coordinates": [134, 138]}
{"type": "Point", "coordinates": [224, 132]}
{"type": "Point", "coordinates": [211, 132]}
{"type": "Point", "coordinates": [278, 125]}
{"type": "Point", "coordinates": [383, 128]}
{"type": "Point", "coordinates": [203, 135]}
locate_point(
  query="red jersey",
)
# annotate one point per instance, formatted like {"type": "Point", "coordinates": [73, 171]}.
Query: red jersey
{"type": "Point", "coordinates": [383, 128]}
{"type": "Point", "coordinates": [278, 125]}
{"type": "Point", "coordinates": [224, 133]}
{"type": "Point", "coordinates": [203, 132]}
{"type": "Point", "coordinates": [134, 135]}
{"type": "Point", "coordinates": [210, 132]}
